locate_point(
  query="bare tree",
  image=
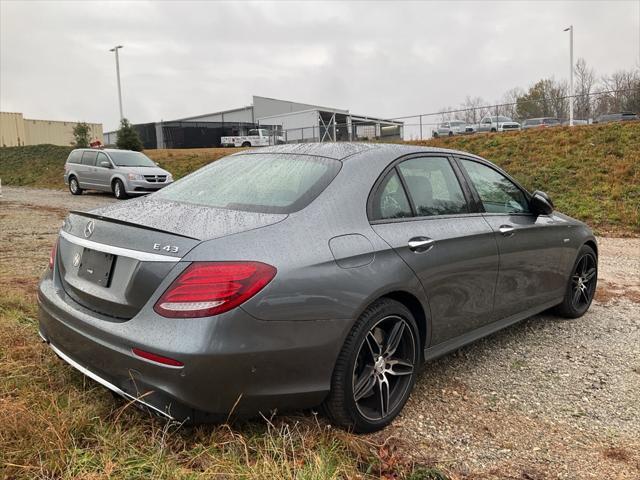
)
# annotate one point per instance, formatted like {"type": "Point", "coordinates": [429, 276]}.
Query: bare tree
{"type": "Point", "coordinates": [475, 109]}
{"type": "Point", "coordinates": [510, 102]}
{"type": "Point", "coordinates": [624, 86]}
{"type": "Point", "coordinates": [585, 81]}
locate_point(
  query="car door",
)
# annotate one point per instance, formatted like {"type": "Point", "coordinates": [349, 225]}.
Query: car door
{"type": "Point", "coordinates": [530, 246]}
{"type": "Point", "coordinates": [103, 174]}
{"type": "Point", "coordinates": [87, 176]}
{"type": "Point", "coordinates": [421, 210]}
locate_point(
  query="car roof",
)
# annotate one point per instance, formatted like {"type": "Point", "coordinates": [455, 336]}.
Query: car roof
{"type": "Point", "coordinates": [89, 149]}
{"type": "Point", "coordinates": [347, 150]}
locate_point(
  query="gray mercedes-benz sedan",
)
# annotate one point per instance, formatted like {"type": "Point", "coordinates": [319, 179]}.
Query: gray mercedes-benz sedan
{"type": "Point", "coordinates": [303, 275]}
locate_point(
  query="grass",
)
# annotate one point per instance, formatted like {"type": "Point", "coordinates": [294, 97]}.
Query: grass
{"type": "Point", "coordinates": [57, 424]}
{"type": "Point", "coordinates": [592, 172]}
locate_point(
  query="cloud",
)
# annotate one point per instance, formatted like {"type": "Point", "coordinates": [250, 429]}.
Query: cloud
{"type": "Point", "coordinates": [378, 58]}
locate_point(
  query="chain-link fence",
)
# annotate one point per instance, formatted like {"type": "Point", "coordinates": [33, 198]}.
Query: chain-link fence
{"type": "Point", "coordinates": [550, 109]}
{"type": "Point", "coordinates": [525, 113]}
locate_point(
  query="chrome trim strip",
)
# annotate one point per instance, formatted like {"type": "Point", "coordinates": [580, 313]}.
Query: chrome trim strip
{"type": "Point", "coordinates": [104, 382]}
{"type": "Point", "coordinates": [119, 251]}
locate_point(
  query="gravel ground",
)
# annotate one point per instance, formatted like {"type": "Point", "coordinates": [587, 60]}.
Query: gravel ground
{"type": "Point", "coordinates": [547, 398]}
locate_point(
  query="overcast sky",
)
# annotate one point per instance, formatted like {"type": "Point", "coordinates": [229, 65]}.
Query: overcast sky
{"type": "Point", "coordinates": [374, 58]}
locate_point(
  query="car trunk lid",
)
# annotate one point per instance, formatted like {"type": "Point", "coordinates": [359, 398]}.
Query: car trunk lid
{"type": "Point", "coordinates": [113, 259]}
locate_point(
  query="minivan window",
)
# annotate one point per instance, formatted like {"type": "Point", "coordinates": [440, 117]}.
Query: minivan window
{"type": "Point", "coordinates": [101, 158]}
{"type": "Point", "coordinates": [497, 193]}
{"type": "Point", "coordinates": [433, 186]}
{"type": "Point", "coordinates": [89, 158]}
{"type": "Point", "coordinates": [127, 158]}
{"type": "Point", "coordinates": [264, 182]}
{"type": "Point", "coordinates": [75, 157]}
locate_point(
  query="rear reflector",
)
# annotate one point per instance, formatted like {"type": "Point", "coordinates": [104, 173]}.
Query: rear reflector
{"type": "Point", "coordinates": [157, 358]}
{"type": "Point", "coordinates": [210, 288]}
{"type": "Point", "coordinates": [52, 255]}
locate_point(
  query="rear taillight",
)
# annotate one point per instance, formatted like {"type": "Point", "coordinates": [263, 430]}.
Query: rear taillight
{"type": "Point", "coordinates": [211, 288]}
{"type": "Point", "coordinates": [52, 255]}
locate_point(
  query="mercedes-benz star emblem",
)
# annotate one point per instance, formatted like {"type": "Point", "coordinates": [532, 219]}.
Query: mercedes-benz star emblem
{"type": "Point", "coordinates": [76, 259]}
{"type": "Point", "coordinates": [89, 228]}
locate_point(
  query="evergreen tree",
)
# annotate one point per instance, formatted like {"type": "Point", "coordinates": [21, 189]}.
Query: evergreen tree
{"type": "Point", "coordinates": [128, 138]}
{"type": "Point", "coordinates": [81, 134]}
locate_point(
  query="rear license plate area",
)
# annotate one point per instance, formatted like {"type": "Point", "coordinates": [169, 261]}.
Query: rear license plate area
{"type": "Point", "coordinates": [96, 267]}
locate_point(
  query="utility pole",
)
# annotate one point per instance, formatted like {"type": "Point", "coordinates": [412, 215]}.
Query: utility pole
{"type": "Point", "coordinates": [115, 49]}
{"type": "Point", "coordinates": [570, 30]}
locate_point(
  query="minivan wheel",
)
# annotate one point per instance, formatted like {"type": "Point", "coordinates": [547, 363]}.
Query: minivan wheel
{"type": "Point", "coordinates": [74, 186]}
{"type": "Point", "coordinates": [246, 144]}
{"type": "Point", "coordinates": [581, 286]}
{"type": "Point", "coordinates": [118, 190]}
{"type": "Point", "coordinates": [376, 369]}
{"type": "Point", "coordinates": [451, 134]}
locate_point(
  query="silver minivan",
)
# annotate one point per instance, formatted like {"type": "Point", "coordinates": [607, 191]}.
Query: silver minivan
{"type": "Point", "coordinates": [123, 172]}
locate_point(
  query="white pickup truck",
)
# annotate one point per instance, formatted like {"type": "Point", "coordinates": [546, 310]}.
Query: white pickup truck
{"type": "Point", "coordinates": [259, 137]}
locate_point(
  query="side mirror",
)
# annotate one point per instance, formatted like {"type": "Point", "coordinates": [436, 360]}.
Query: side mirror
{"type": "Point", "coordinates": [105, 164]}
{"type": "Point", "coordinates": [541, 203]}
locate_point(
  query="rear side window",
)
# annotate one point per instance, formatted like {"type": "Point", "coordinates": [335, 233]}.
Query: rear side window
{"type": "Point", "coordinates": [390, 200]}
{"type": "Point", "coordinates": [75, 157]}
{"type": "Point", "coordinates": [89, 158]}
{"type": "Point", "coordinates": [497, 193]}
{"type": "Point", "coordinates": [268, 183]}
{"type": "Point", "coordinates": [433, 186]}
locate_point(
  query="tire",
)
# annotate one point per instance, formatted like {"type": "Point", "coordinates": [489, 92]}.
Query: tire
{"type": "Point", "coordinates": [451, 134]}
{"type": "Point", "coordinates": [581, 285]}
{"type": "Point", "coordinates": [493, 130]}
{"type": "Point", "coordinates": [118, 190]}
{"type": "Point", "coordinates": [74, 186]}
{"type": "Point", "coordinates": [359, 372]}
{"type": "Point", "coordinates": [435, 135]}
{"type": "Point", "coordinates": [246, 144]}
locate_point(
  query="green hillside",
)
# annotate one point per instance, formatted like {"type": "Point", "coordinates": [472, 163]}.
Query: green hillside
{"type": "Point", "coordinates": [591, 172]}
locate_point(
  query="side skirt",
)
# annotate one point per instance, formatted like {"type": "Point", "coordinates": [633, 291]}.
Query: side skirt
{"type": "Point", "coordinates": [469, 337]}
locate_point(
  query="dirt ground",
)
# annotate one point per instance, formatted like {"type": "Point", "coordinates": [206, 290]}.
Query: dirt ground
{"type": "Point", "coordinates": [547, 398]}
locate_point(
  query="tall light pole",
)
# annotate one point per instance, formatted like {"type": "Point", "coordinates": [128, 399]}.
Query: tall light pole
{"type": "Point", "coordinates": [570, 30]}
{"type": "Point", "coordinates": [115, 49]}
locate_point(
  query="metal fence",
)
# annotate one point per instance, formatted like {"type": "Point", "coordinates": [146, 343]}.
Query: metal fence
{"type": "Point", "coordinates": [522, 113]}
{"type": "Point", "coordinates": [588, 108]}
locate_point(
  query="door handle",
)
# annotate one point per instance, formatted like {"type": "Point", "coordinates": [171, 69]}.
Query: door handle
{"type": "Point", "coordinates": [507, 230]}
{"type": "Point", "coordinates": [421, 244]}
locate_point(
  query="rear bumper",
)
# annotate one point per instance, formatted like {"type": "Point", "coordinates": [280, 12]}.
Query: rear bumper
{"type": "Point", "coordinates": [232, 363]}
{"type": "Point", "coordinates": [104, 382]}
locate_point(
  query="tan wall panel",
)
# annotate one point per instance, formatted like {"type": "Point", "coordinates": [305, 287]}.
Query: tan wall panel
{"type": "Point", "coordinates": [11, 129]}
{"type": "Point", "coordinates": [55, 132]}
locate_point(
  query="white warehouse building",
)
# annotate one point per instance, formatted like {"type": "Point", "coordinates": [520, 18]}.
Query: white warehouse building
{"type": "Point", "coordinates": [294, 121]}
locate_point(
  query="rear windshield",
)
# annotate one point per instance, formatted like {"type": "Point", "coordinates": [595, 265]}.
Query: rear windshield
{"type": "Point", "coordinates": [127, 158]}
{"type": "Point", "coordinates": [268, 183]}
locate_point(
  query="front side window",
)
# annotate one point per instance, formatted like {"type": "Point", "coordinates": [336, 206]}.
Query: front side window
{"type": "Point", "coordinates": [497, 193]}
{"type": "Point", "coordinates": [391, 200]}
{"type": "Point", "coordinates": [433, 186]}
{"type": "Point", "coordinates": [101, 158]}
{"type": "Point", "coordinates": [267, 183]}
